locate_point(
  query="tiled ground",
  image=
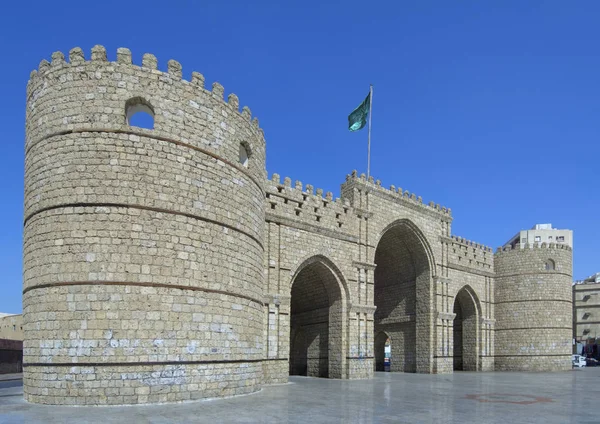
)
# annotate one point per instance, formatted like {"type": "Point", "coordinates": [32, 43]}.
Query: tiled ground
{"type": "Point", "coordinates": [514, 398]}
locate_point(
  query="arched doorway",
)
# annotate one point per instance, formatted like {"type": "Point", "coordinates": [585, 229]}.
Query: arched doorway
{"type": "Point", "coordinates": [403, 269]}
{"type": "Point", "coordinates": [466, 331]}
{"type": "Point", "coordinates": [382, 351]}
{"type": "Point", "coordinates": [316, 324]}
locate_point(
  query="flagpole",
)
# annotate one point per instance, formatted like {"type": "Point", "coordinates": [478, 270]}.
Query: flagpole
{"type": "Point", "coordinates": [369, 143]}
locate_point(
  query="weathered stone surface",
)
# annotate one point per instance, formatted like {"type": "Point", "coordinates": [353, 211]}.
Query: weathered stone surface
{"type": "Point", "coordinates": [162, 265]}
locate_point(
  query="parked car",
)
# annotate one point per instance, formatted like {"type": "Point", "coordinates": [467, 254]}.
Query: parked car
{"type": "Point", "coordinates": [591, 362]}
{"type": "Point", "coordinates": [578, 361]}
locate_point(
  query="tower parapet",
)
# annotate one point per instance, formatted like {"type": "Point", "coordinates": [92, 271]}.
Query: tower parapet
{"type": "Point", "coordinates": [533, 308]}
{"type": "Point", "coordinates": [395, 194]}
{"type": "Point", "coordinates": [143, 248]}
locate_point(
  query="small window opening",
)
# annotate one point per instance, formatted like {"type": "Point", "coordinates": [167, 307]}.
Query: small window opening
{"type": "Point", "coordinates": [244, 155]}
{"type": "Point", "coordinates": [550, 265]}
{"type": "Point", "coordinates": [139, 113]}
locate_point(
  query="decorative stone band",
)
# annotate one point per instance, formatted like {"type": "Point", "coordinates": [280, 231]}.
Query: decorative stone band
{"type": "Point", "coordinates": [398, 320]}
{"type": "Point", "coordinates": [147, 284]}
{"type": "Point", "coordinates": [487, 321]}
{"type": "Point", "coordinates": [366, 309]}
{"type": "Point", "coordinates": [139, 364]}
{"type": "Point", "coordinates": [534, 328]}
{"type": "Point", "coordinates": [146, 208]}
{"type": "Point", "coordinates": [277, 299]}
{"type": "Point", "coordinates": [533, 355]}
{"type": "Point", "coordinates": [446, 315]}
{"type": "Point", "coordinates": [364, 265]}
{"type": "Point", "coordinates": [537, 273]}
{"type": "Point", "coordinates": [533, 300]}
{"type": "Point", "coordinates": [443, 280]}
{"type": "Point", "coordinates": [149, 134]}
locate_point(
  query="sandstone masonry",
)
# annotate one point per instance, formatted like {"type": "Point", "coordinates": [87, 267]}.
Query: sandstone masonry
{"type": "Point", "coordinates": [162, 265]}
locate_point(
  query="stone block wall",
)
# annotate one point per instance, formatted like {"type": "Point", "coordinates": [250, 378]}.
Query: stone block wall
{"type": "Point", "coordinates": [533, 308]}
{"type": "Point", "coordinates": [143, 248]}
{"type": "Point", "coordinates": [161, 265]}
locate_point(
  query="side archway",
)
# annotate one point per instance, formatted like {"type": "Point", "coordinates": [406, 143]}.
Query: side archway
{"type": "Point", "coordinates": [382, 340]}
{"type": "Point", "coordinates": [466, 346]}
{"type": "Point", "coordinates": [317, 322]}
{"type": "Point", "coordinates": [403, 295]}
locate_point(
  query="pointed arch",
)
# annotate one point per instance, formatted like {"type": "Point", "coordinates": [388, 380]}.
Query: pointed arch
{"type": "Point", "coordinates": [466, 330]}
{"type": "Point", "coordinates": [328, 263]}
{"type": "Point", "coordinates": [403, 294]}
{"type": "Point", "coordinates": [318, 312]}
{"type": "Point", "coordinates": [418, 235]}
{"type": "Point", "coordinates": [380, 341]}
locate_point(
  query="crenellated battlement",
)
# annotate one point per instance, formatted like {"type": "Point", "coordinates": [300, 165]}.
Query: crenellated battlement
{"type": "Point", "coordinates": [534, 246]}
{"type": "Point", "coordinates": [395, 193]}
{"type": "Point", "coordinates": [174, 74]}
{"type": "Point", "coordinates": [308, 205]}
{"type": "Point", "coordinates": [469, 254]}
{"type": "Point", "coordinates": [468, 243]}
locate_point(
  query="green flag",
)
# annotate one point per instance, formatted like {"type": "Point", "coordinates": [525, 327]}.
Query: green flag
{"type": "Point", "coordinates": [358, 118]}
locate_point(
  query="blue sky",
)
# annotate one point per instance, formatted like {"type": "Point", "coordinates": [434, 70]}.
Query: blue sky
{"type": "Point", "coordinates": [491, 108]}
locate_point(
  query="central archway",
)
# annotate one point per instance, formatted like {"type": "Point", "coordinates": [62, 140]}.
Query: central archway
{"type": "Point", "coordinates": [316, 324]}
{"type": "Point", "coordinates": [466, 331]}
{"type": "Point", "coordinates": [402, 295]}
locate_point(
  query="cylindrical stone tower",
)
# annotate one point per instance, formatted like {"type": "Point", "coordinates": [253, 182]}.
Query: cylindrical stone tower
{"type": "Point", "coordinates": [143, 248]}
{"type": "Point", "coordinates": [533, 308]}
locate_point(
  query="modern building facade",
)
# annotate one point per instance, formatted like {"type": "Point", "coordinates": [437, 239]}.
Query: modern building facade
{"type": "Point", "coordinates": [11, 326]}
{"type": "Point", "coordinates": [541, 233]}
{"type": "Point", "coordinates": [11, 343]}
{"type": "Point", "coordinates": [586, 313]}
{"type": "Point", "coordinates": [162, 265]}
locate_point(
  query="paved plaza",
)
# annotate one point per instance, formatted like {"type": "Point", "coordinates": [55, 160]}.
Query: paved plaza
{"type": "Point", "coordinates": [466, 397]}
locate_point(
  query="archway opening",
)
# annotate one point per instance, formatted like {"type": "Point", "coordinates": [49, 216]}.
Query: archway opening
{"type": "Point", "coordinates": [402, 271]}
{"type": "Point", "coordinates": [383, 346]}
{"type": "Point", "coordinates": [465, 331]}
{"type": "Point", "coordinates": [139, 113]}
{"type": "Point", "coordinates": [316, 323]}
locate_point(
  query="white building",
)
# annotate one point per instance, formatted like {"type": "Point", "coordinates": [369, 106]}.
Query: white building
{"type": "Point", "coordinates": [541, 233]}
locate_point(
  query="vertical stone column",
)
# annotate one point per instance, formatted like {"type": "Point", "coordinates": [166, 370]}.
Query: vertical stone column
{"type": "Point", "coordinates": [444, 328]}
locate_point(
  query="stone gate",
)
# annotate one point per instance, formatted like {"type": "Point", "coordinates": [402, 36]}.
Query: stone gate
{"type": "Point", "coordinates": [161, 265]}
